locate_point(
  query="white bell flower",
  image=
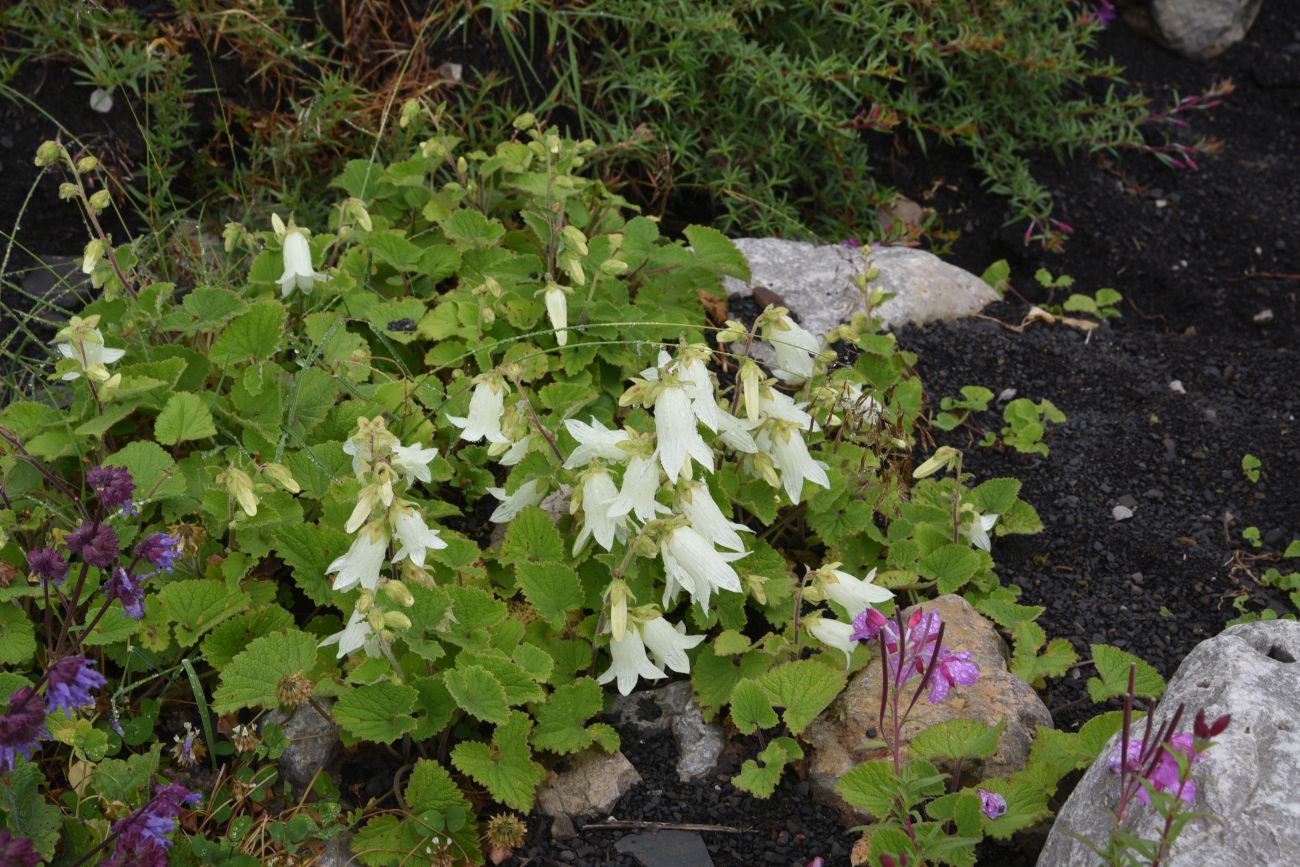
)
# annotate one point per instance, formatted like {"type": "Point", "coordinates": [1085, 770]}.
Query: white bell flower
{"type": "Point", "coordinates": [978, 531]}
{"type": "Point", "coordinates": [557, 310]}
{"type": "Point", "coordinates": [91, 353]}
{"type": "Point", "coordinates": [699, 507]}
{"type": "Point", "coordinates": [668, 644]}
{"type": "Point", "coordinates": [692, 563]}
{"type": "Point", "coordinates": [790, 456]}
{"type": "Point", "coordinates": [795, 351]}
{"type": "Point", "coordinates": [833, 633]}
{"type": "Point", "coordinates": [594, 441]}
{"type": "Point", "coordinates": [356, 635]}
{"type": "Point", "coordinates": [414, 537]}
{"type": "Point", "coordinates": [678, 438]}
{"type": "Point", "coordinates": [735, 433]}
{"type": "Point", "coordinates": [694, 374]}
{"type": "Point", "coordinates": [851, 401]}
{"type": "Point", "coordinates": [413, 462]}
{"type": "Point", "coordinates": [298, 271]}
{"type": "Point", "coordinates": [629, 662]}
{"type": "Point", "coordinates": [598, 492]}
{"type": "Point", "coordinates": [640, 484]}
{"type": "Point", "coordinates": [362, 562]}
{"type": "Point", "coordinates": [486, 407]}
{"type": "Point", "coordinates": [517, 452]}
{"type": "Point", "coordinates": [530, 493]}
{"type": "Point", "coordinates": [779, 405]}
{"type": "Point", "coordinates": [856, 594]}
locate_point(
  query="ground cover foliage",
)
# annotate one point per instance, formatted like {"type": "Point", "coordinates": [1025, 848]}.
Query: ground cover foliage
{"type": "Point", "coordinates": [318, 431]}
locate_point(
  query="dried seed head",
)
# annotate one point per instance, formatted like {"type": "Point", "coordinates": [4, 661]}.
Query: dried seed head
{"type": "Point", "coordinates": [245, 738]}
{"type": "Point", "coordinates": [293, 690]}
{"type": "Point", "coordinates": [505, 832]}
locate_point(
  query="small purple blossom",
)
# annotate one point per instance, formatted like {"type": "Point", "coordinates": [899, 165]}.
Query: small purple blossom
{"type": "Point", "coordinates": [22, 727]}
{"type": "Point", "coordinates": [951, 669]}
{"type": "Point", "coordinates": [128, 588]}
{"type": "Point", "coordinates": [1163, 775]}
{"type": "Point", "coordinates": [47, 564]}
{"type": "Point", "coordinates": [159, 550]}
{"type": "Point", "coordinates": [95, 543]}
{"type": "Point", "coordinates": [70, 683]}
{"type": "Point", "coordinates": [142, 837]}
{"type": "Point", "coordinates": [17, 851]}
{"type": "Point", "coordinates": [113, 486]}
{"type": "Point", "coordinates": [993, 804]}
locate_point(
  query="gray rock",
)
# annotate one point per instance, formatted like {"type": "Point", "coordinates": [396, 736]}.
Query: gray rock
{"type": "Point", "coordinates": [1247, 780]}
{"type": "Point", "coordinates": [314, 744]}
{"type": "Point", "coordinates": [673, 708]}
{"type": "Point", "coordinates": [337, 852]}
{"type": "Point", "coordinates": [592, 785]}
{"type": "Point", "coordinates": [816, 282]}
{"type": "Point", "coordinates": [835, 739]}
{"type": "Point", "coordinates": [1198, 29]}
{"type": "Point", "coordinates": [55, 281]}
{"type": "Point", "coordinates": [666, 849]}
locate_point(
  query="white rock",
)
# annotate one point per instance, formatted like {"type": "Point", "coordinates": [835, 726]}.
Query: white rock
{"type": "Point", "coordinates": [1176, 386]}
{"type": "Point", "coordinates": [592, 785]}
{"type": "Point", "coordinates": [101, 100]}
{"type": "Point", "coordinates": [1121, 513]}
{"type": "Point", "coordinates": [816, 282]}
{"type": "Point", "coordinates": [1194, 28]}
{"type": "Point", "coordinates": [1247, 779]}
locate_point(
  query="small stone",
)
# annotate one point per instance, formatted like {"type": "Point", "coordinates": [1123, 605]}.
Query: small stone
{"type": "Point", "coordinates": [592, 785]}
{"type": "Point", "coordinates": [314, 744]}
{"type": "Point", "coordinates": [1121, 513]}
{"type": "Point", "coordinates": [1176, 386]}
{"type": "Point", "coordinates": [1006, 395]}
{"type": "Point", "coordinates": [1127, 501]}
{"type": "Point", "coordinates": [666, 849]}
{"type": "Point", "coordinates": [1263, 317]}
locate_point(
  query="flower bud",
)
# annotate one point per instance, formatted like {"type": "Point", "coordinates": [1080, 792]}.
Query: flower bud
{"type": "Point", "coordinates": [397, 620]}
{"type": "Point", "coordinates": [100, 200]}
{"type": "Point", "coordinates": [48, 153]}
{"type": "Point", "coordinates": [91, 255]}
{"type": "Point", "coordinates": [87, 164]}
{"type": "Point", "coordinates": [281, 475]}
{"type": "Point", "coordinates": [67, 191]}
{"type": "Point", "coordinates": [525, 121]}
{"type": "Point", "coordinates": [942, 458]}
{"type": "Point", "coordinates": [397, 591]}
{"type": "Point", "coordinates": [240, 486]}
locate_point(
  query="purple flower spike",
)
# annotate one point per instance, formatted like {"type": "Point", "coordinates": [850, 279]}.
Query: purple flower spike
{"type": "Point", "coordinates": [993, 804]}
{"type": "Point", "coordinates": [142, 836]}
{"type": "Point", "coordinates": [159, 550]}
{"type": "Point", "coordinates": [17, 851]}
{"type": "Point", "coordinates": [70, 683]}
{"type": "Point", "coordinates": [22, 727]}
{"type": "Point", "coordinates": [951, 669]}
{"type": "Point", "coordinates": [113, 486]}
{"type": "Point", "coordinates": [126, 587]}
{"type": "Point", "coordinates": [95, 543]}
{"type": "Point", "coordinates": [1163, 776]}
{"type": "Point", "coordinates": [47, 564]}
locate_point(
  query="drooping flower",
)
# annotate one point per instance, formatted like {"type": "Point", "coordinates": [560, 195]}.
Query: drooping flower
{"type": "Point", "coordinates": [694, 375]}
{"type": "Point", "coordinates": [518, 450]}
{"type": "Point", "coordinates": [160, 551]}
{"type": "Point", "coordinates": [993, 804]}
{"type": "Point", "coordinates": [833, 633]}
{"type": "Point", "coordinates": [1163, 775]}
{"type": "Point", "coordinates": [84, 344]}
{"type": "Point", "coordinates": [557, 310]}
{"type": "Point", "coordinates": [17, 851]}
{"type": "Point", "coordinates": [530, 493]}
{"type": "Point", "coordinates": [356, 634]}
{"type": "Point", "coordinates": [795, 349]}
{"type": "Point", "coordinates": [790, 456]}
{"type": "Point", "coordinates": [598, 520]}
{"type": "Point", "coordinates": [668, 644]}
{"type": "Point", "coordinates": [142, 837]}
{"type": "Point", "coordinates": [22, 726]}
{"type": "Point", "coordinates": [127, 589]}
{"type": "Point", "coordinates": [691, 563]}
{"type": "Point", "coordinates": [699, 507]}
{"type": "Point", "coordinates": [48, 564]}
{"type": "Point", "coordinates": [734, 433]}
{"type": "Point", "coordinates": [640, 485]}
{"type": "Point", "coordinates": [856, 594]}
{"type": "Point", "coordinates": [951, 669]}
{"type": "Point", "coordinates": [95, 543]}
{"type": "Point", "coordinates": [978, 531]}
{"type": "Point", "coordinates": [188, 750]}
{"type": "Point", "coordinates": [113, 486]}
{"type": "Point", "coordinates": [594, 441]}
{"type": "Point", "coordinates": [298, 271]}
{"type": "Point", "coordinates": [413, 462]}
{"type": "Point", "coordinates": [361, 564]}
{"type": "Point", "coordinates": [779, 405]}
{"type": "Point", "coordinates": [70, 682]}
{"type": "Point", "coordinates": [867, 625]}
{"type": "Point", "coordinates": [678, 437]}
{"type": "Point", "coordinates": [414, 537]}
{"type": "Point", "coordinates": [628, 662]}
{"type": "Point", "coordinates": [486, 406]}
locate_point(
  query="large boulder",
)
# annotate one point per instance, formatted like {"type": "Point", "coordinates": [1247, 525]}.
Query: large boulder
{"type": "Point", "coordinates": [1199, 29]}
{"type": "Point", "coordinates": [591, 785]}
{"type": "Point", "coordinates": [1246, 781]}
{"type": "Point", "coordinates": [816, 282]}
{"type": "Point", "coordinates": [836, 738]}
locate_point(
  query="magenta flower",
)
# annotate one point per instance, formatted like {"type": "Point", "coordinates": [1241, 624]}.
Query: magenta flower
{"type": "Point", "coordinates": [95, 543]}
{"type": "Point", "coordinates": [993, 804]}
{"type": "Point", "coordinates": [126, 587]}
{"type": "Point", "coordinates": [867, 625]}
{"type": "Point", "coordinates": [22, 727]}
{"type": "Point", "coordinates": [46, 563]}
{"type": "Point", "coordinates": [113, 486]}
{"type": "Point", "coordinates": [1163, 775]}
{"type": "Point", "coordinates": [142, 839]}
{"type": "Point", "coordinates": [17, 851]}
{"type": "Point", "coordinates": [70, 683]}
{"type": "Point", "coordinates": [951, 669]}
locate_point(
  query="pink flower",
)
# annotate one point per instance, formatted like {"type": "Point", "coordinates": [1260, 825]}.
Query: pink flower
{"type": "Point", "coordinates": [993, 804]}
{"type": "Point", "coordinates": [951, 669]}
{"type": "Point", "coordinates": [1163, 776]}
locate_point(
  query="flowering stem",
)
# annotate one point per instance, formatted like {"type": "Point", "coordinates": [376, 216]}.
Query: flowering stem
{"type": "Point", "coordinates": [71, 609]}
{"type": "Point", "coordinates": [537, 422]}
